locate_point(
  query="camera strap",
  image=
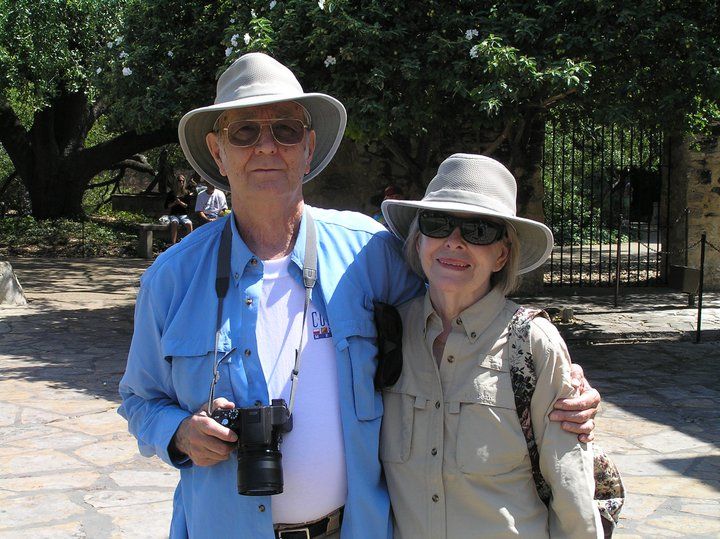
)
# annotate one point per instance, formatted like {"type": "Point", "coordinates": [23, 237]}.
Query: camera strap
{"type": "Point", "coordinates": [222, 283]}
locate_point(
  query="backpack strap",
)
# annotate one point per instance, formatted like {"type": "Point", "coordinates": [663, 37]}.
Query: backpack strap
{"type": "Point", "coordinates": [524, 380]}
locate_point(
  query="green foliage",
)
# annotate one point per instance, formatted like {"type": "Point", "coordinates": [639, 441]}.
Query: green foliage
{"type": "Point", "coordinates": [63, 237]}
{"type": "Point", "coordinates": [52, 46]}
{"type": "Point", "coordinates": [164, 63]}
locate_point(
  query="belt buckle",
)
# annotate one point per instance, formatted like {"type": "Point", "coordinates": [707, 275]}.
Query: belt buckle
{"type": "Point", "coordinates": [295, 530]}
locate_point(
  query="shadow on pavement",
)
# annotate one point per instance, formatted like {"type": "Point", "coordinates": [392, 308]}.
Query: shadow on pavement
{"type": "Point", "coordinates": [674, 384]}
{"type": "Point", "coordinates": [83, 350]}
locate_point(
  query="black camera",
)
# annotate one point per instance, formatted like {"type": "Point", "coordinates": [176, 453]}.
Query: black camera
{"type": "Point", "coordinates": [259, 430]}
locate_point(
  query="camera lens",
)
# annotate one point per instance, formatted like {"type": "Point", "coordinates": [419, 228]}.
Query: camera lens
{"type": "Point", "coordinates": [259, 472]}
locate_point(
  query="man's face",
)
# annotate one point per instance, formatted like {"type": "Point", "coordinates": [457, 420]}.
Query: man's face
{"type": "Point", "coordinates": [267, 168]}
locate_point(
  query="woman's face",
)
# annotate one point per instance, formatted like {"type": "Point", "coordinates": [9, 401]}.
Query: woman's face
{"type": "Point", "coordinates": [454, 266]}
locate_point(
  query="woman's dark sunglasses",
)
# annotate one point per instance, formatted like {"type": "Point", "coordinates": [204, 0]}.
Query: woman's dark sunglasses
{"type": "Point", "coordinates": [473, 229]}
{"type": "Point", "coordinates": [286, 131]}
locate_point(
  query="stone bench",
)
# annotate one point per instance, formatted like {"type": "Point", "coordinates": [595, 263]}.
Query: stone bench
{"type": "Point", "coordinates": [145, 237]}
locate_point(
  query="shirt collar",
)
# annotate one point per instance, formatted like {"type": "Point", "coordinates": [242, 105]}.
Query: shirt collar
{"type": "Point", "coordinates": [474, 320]}
{"type": "Point", "coordinates": [243, 258]}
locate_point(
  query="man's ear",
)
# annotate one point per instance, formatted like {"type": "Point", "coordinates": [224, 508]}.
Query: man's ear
{"type": "Point", "coordinates": [213, 144]}
{"type": "Point", "coordinates": [309, 150]}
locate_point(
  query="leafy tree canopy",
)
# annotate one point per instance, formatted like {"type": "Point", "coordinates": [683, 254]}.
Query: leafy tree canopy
{"type": "Point", "coordinates": [430, 77]}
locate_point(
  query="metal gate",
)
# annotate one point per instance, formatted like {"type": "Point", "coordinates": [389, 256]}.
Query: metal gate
{"type": "Point", "coordinates": [602, 201]}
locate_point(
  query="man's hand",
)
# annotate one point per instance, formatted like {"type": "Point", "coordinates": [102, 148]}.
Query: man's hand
{"type": "Point", "coordinates": [577, 413]}
{"type": "Point", "coordinates": [205, 441]}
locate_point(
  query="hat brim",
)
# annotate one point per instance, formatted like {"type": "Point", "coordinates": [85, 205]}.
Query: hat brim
{"type": "Point", "coordinates": [536, 239]}
{"type": "Point", "coordinates": [327, 114]}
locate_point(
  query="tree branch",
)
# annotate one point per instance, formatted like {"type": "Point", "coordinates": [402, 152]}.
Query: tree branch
{"type": "Point", "coordinates": [404, 158]}
{"type": "Point", "coordinates": [502, 137]}
{"type": "Point", "coordinates": [15, 140]}
{"type": "Point", "coordinates": [91, 161]}
{"type": "Point", "coordinates": [554, 99]}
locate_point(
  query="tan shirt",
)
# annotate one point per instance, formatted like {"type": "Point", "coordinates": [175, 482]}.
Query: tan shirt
{"type": "Point", "coordinates": [455, 458]}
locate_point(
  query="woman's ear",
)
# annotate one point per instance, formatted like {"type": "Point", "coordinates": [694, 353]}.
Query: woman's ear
{"type": "Point", "coordinates": [503, 254]}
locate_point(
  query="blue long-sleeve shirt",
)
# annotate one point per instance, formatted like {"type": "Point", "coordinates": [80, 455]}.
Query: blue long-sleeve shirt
{"type": "Point", "coordinates": [169, 366]}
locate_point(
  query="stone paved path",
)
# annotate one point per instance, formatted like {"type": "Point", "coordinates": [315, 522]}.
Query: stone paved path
{"type": "Point", "coordinates": [68, 468]}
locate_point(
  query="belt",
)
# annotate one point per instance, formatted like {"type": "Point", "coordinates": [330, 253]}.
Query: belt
{"type": "Point", "coordinates": [308, 530]}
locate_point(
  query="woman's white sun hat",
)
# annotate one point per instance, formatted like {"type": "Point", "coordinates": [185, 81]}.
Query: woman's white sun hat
{"type": "Point", "coordinates": [257, 79]}
{"type": "Point", "coordinates": [477, 185]}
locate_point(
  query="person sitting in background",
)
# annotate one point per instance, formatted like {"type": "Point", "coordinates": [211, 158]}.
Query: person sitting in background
{"type": "Point", "coordinates": [177, 204]}
{"type": "Point", "coordinates": [391, 192]}
{"type": "Point", "coordinates": [210, 204]}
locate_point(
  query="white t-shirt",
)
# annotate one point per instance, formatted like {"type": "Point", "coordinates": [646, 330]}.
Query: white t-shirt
{"type": "Point", "coordinates": [211, 203]}
{"type": "Point", "coordinates": [313, 452]}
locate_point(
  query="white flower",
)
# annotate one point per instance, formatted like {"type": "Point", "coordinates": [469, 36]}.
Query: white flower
{"type": "Point", "coordinates": [330, 61]}
{"type": "Point", "coordinates": [474, 51]}
{"type": "Point", "coordinates": [118, 40]}
{"type": "Point", "coordinates": [228, 51]}
{"type": "Point", "coordinates": [321, 4]}
{"type": "Point", "coordinates": [98, 70]}
{"type": "Point", "coordinates": [171, 54]}
{"type": "Point", "coordinates": [110, 44]}
{"type": "Point", "coordinates": [232, 21]}
{"type": "Point", "coordinates": [252, 14]}
{"type": "Point", "coordinates": [123, 55]}
{"type": "Point", "coordinates": [246, 39]}
{"type": "Point", "coordinates": [233, 40]}
{"type": "Point", "coordinates": [469, 34]}
{"type": "Point", "coordinates": [273, 4]}
{"type": "Point", "coordinates": [126, 71]}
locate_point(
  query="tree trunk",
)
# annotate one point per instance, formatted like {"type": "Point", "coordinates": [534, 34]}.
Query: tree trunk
{"type": "Point", "coordinates": [52, 161]}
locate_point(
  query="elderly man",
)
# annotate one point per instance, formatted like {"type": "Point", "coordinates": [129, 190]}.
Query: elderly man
{"type": "Point", "coordinates": [262, 139]}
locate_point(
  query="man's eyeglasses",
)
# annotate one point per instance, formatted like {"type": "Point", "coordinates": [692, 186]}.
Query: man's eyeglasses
{"type": "Point", "coordinates": [473, 229]}
{"type": "Point", "coordinates": [285, 131]}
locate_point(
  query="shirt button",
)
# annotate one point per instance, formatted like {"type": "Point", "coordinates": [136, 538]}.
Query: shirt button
{"type": "Point", "coordinates": [247, 352]}
{"type": "Point", "coordinates": [253, 261]}
{"type": "Point", "coordinates": [248, 301]}
{"type": "Point", "coordinates": [258, 403]}
{"type": "Point", "coordinates": [237, 276]}
{"type": "Point", "coordinates": [261, 508]}
{"type": "Point", "coordinates": [433, 452]}
{"type": "Point", "coordinates": [435, 498]}
{"type": "Point", "coordinates": [458, 322]}
{"type": "Point", "coordinates": [473, 335]}
{"type": "Point", "coordinates": [451, 359]}
{"type": "Point", "coordinates": [437, 404]}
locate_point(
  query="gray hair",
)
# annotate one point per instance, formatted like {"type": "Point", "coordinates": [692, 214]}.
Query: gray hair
{"type": "Point", "coordinates": [507, 278]}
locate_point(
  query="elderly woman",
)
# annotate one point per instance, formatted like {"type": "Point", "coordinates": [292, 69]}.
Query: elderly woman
{"type": "Point", "coordinates": [455, 457]}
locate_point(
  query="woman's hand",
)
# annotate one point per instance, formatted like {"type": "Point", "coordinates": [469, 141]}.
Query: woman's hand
{"type": "Point", "coordinates": [577, 413]}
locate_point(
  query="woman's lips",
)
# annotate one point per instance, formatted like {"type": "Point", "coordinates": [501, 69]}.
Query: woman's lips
{"type": "Point", "coordinates": [453, 263]}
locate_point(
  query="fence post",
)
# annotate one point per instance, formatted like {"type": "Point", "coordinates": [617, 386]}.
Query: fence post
{"type": "Point", "coordinates": [700, 285]}
{"type": "Point", "coordinates": [617, 266]}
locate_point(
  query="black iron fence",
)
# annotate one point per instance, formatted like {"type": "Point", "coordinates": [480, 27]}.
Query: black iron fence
{"type": "Point", "coordinates": [602, 201]}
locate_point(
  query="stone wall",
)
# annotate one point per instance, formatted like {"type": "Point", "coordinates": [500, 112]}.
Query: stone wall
{"type": "Point", "coordinates": [694, 175]}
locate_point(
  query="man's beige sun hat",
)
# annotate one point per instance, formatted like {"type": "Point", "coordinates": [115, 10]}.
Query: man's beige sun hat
{"type": "Point", "coordinates": [257, 79]}
{"type": "Point", "coordinates": [478, 185]}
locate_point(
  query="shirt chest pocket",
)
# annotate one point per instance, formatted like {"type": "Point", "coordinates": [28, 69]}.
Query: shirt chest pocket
{"type": "Point", "coordinates": [192, 374]}
{"type": "Point", "coordinates": [489, 439]}
{"type": "Point", "coordinates": [397, 425]}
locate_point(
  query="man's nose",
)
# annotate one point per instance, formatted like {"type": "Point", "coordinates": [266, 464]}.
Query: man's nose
{"type": "Point", "coordinates": [266, 142]}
